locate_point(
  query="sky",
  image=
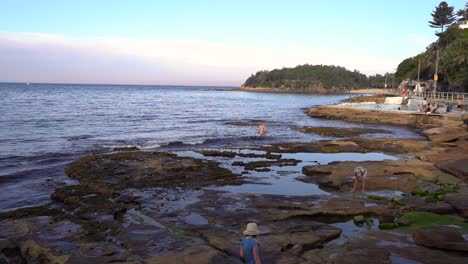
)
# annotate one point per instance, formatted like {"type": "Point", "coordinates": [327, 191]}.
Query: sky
{"type": "Point", "coordinates": [182, 42]}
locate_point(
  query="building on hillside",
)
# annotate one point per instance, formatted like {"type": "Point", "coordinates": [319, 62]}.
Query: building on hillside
{"type": "Point", "coordinates": [463, 24]}
{"type": "Point", "coordinates": [416, 87]}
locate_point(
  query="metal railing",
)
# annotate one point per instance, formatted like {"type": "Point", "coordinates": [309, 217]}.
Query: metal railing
{"type": "Point", "coordinates": [443, 96]}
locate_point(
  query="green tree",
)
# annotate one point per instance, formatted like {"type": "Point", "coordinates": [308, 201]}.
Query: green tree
{"type": "Point", "coordinates": [463, 13]}
{"type": "Point", "coordinates": [442, 16]}
{"type": "Point", "coordinates": [454, 63]}
{"type": "Point", "coordinates": [452, 33]}
{"type": "Point", "coordinates": [304, 77]}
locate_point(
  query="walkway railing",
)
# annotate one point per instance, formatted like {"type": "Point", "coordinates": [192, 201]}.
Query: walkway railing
{"type": "Point", "coordinates": [443, 96]}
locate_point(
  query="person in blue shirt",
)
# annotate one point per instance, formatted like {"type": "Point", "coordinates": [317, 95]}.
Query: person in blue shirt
{"type": "Point", "coordinates": [250, 248]}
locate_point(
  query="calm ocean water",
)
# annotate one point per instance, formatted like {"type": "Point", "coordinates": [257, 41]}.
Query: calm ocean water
{"type": "Point", "coordinates": [44, 127]}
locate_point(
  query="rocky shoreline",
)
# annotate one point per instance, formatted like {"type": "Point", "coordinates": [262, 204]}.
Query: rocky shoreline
{"type": "Point", "coordinates": [152, 207]}
{"type": "Point", "coordinates": [312, 90]}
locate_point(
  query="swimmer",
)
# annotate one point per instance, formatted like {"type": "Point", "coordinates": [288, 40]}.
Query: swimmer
{"type": "Point", "coordinates": [261, 129]}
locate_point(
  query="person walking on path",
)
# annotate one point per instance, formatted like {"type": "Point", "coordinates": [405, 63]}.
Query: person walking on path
{"type": "Point", "coordinates": [360, 174]}
{"type": "Point", "coordinates": [250, 248]}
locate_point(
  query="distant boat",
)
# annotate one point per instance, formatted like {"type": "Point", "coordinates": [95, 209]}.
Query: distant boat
{"type": "Point", "coordinates": [27, 83]}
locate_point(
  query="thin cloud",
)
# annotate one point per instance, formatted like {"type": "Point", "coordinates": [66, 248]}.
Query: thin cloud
{"type": "Point", "coordinates": [104, 59]}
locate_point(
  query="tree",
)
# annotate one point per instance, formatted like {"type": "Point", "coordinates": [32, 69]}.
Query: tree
{"type": "Point", "coordinates": [442, 16]}
{"type": "Point", "coordinates": [454, 61]}
{"type": "Point", "coordinates": [463, 13]}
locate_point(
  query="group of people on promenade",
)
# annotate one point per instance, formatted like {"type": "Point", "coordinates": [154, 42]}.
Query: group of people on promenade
{"type": "Point", "coordinates": [433, 107]}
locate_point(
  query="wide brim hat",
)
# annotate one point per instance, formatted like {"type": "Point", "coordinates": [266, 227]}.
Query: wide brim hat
{"type": "Point", "coordinates": [251, 230]}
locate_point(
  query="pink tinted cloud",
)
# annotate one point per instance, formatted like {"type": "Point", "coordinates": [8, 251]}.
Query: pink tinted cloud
{"type": "Point", "coordinates": [35, 57]}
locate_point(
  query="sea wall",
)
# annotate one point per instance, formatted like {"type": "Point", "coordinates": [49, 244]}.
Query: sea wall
{"type": "Point", "coordinates": [394, 100]}
{"type": "Point", "coordinates": [375, 116]}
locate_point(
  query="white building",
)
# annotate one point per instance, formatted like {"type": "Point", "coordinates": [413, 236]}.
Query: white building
{"type": "Point", "coordinates": [463, 24]}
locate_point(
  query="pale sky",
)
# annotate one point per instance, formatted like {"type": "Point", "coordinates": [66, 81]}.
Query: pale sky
{"type": "Point", "coordinates": [204, 42]}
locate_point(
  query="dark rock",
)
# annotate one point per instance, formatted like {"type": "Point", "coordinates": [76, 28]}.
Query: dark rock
{"type": "Point", "coordinates": [256, 165]}
{"type": "Point", "coordinates": [442, 237]}
{"type": "Point", "coordinates": [107, 174]}
{"type": "Point", "coordinates": [245, 123]}
{"type": "Point", "coordinates": [72, 201]}
{"type": "Point", "coordinates": [458, 167]}
{"type": "Point", "coordinates": [5, 243]}
{"type": "Point", "coordinates": [445, 133]}
{"type": "Point", "coordinates": [340, 131]}
{"type": "Point", "coordinates": [388, 225]}
{"type": "Point", "coordinates": [386, 218]}
{"type": "Point", "coordinates": [126, 148]}
{"type": "Point", "coordinates": [437, 208]}
{"type": "Point", "coordinates": [267, 155]}
{"type": "Point", "coordinates": [262, 169]}
{"type": "Point", "coordinates": [459, 201]}
{"type": "Point", "coordinates": [216, 153]}
{"type": "Point", "coordinates": [118, 215]}
{"type": "Point", "coordinates": [363, 256]}
{"type": "Point", "coordinates": [194, 255]}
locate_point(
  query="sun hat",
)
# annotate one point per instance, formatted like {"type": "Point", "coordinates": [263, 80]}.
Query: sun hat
{"type": "Point", "coordinates": [251, 230]}
{"type": "Point", "coordinates": [360, 171]}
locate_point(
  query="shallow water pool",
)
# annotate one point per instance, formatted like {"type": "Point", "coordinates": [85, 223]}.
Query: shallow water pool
{"type": "Point", "coordinates": [281, 180]}
{"type": "Point", "coordinates": [392, 107]}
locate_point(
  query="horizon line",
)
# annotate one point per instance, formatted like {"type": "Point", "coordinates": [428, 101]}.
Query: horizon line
{"type": "Point", "coordinates": [123, 84]}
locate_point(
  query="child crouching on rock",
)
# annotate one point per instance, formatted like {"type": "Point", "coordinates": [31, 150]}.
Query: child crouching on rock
{"type": "Point", "coordinates": [360, 174]}
{"type": "Point", "coordinates": [250, 248]}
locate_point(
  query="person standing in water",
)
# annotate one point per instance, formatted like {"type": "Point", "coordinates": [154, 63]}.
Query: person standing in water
{"type": "Point", "coordinates": [250, 248]}
{"type": "Point", "coordinates": [261, 129]}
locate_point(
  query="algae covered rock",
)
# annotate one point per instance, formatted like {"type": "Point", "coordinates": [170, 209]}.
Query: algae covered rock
{"type": "Point", "coordinates": [426, 219]}
{"type": "Point", "coordinates": [109, 173]}
{"type": "Point", "coordinates": [388, 225]}
{"type": "Point", "coordinates": [359, 220]}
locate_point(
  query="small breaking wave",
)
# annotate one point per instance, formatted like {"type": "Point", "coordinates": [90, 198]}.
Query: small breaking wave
{"type": "Point", "coordinates": [79, 137]}
{"type": "Point", "coordinates": [183, 143]}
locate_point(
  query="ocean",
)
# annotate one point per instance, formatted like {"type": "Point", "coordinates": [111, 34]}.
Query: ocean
{"type": "Point", "coordinates": [44, 127]}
